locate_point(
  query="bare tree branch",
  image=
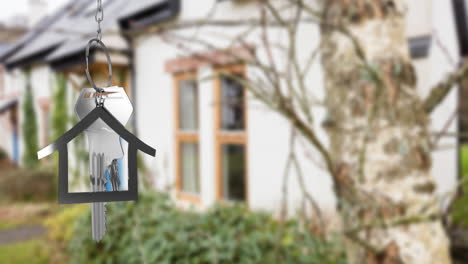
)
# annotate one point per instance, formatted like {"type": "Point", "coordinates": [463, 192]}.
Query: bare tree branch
{"type": "Point", "coordinates": [441, 90]}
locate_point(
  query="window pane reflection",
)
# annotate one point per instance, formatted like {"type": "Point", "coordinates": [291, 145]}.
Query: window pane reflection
{"type": "Point", "coordinates": [188, 105]}
{"type": "Point", "coordinates": [232, 104]}
{"type": "Point", "coordinates": [190, 169]}
{"type": "Point", "coordinates": [233, 172]}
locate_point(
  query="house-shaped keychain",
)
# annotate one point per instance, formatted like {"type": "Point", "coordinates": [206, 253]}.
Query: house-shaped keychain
{"type": "Point", "coordinates": [99, 113]}
{"type": "Point", "coordinates": [103, 112]}
{"type": "Point", "coordinates": [104, 149]}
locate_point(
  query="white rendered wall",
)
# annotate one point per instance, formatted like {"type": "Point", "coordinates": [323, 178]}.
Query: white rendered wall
{"type": "Point", "coordinates": [15, 83]}
{"type": "Point", "coordinates": [19, 82]}
{"type": "Point", "coordinates": [11, 90]}
{"type": "Point", "coordinates": [436, 19]}
{"type": "Point", "coordinates": [444, 59]}
{"type": "Point", "coordinates": [268, 132]}
{"type": "Point", "coordinates": [41, 81]}
{"type": "Point", "coordinates": [153, 103]}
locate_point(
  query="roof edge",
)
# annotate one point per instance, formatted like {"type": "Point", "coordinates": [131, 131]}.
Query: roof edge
{"type": "Point", "coordinates": [156, 14]}
{"type": "Point", "coordinates": [110, 120]}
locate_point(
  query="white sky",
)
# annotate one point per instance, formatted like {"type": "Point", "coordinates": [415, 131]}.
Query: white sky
{"type": "Point", "coordinates": [10, 8]}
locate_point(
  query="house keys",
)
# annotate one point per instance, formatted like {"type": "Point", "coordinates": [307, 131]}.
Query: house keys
{"type": "Point", "coordinates": [103, 113]}
{"type": "Point", "coordinates": [105, 148]}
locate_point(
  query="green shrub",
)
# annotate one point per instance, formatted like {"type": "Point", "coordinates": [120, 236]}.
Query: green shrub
{"type": "Point", "coordinates": [30, 130]}
{"type": "Point", "coordinates": [27, 184]}
{"type": "Point", "coordinates": [3, 154]}
{"type": "Point", "coordinates": [60, 229]}
{"type": "Point", "coordinates": [61, 226]}
{"type": "Point", "coordinates": [152, 230]}
{"type": "Point", "coordinates": [459, 207]}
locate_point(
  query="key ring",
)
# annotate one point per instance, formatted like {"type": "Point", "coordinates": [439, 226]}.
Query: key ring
{"type": "Point", "coordinates": [99, 99]}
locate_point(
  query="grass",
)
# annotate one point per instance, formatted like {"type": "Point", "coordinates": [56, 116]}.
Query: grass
{"type": "Point", "coordinates": [464, 160]}
{"type": "Point", "coordinates": [459, 207]}
{"type": "Point", "coordinates": [32, 252]}
{"type": "Point", "coordinates": [8, 225]}
{"type": "Point", "coordinates": [13, 215]}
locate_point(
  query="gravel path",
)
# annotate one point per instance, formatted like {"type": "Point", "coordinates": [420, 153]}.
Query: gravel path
{"type": "Point", "coordinates": [21, 233]}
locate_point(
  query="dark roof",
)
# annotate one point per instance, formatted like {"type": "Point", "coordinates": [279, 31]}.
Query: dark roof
{"type": "Point", "coordinates": [4, 48]}
{"type": "Point", "coordinates": [59, 38]}
{"type": "Point", "coordinates": [32, 35]}
{"type": "Point", "coordinates": [110, 120]}
{"type": "Point", "coordinates": [144, 14]}
{"type": "Point", "coordinates": [140, 5]}
{"type": "Point", "coordinates": [7, 104]}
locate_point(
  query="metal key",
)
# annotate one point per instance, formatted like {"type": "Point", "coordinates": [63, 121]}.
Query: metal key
{"type": "Point", "coordinates": [104, 148]}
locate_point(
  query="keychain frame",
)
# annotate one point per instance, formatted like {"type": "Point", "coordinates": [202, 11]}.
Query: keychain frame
{"type": "Point", "coordinates": [100, 112]}
{"type": "Point", "coordinates": [134, 144]}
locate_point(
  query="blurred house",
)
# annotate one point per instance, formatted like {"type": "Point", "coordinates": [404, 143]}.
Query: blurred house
{"type": "Point", "coordinates": [56, 44]}
{"type": "Point", "coordinates": [214, 141]}
{"type": "Point", "coordinates": [9, 98]}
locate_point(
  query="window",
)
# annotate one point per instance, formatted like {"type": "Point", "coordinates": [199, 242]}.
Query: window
{"type": "Point", "coordinates": [2, 81]}
{"type": "Point", "coordinates": [230, 132]}
{"type": "Point", "coordinates": [233, 171]}
{"type": "Point", "coordinates": [232, 104]}
{"type": "Point", "coordinates": [186, 138]}
{"type": "Point", "coordinates": [460, 10]}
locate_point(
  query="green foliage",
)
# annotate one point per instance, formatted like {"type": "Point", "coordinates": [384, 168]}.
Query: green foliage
{"type": "Point", "coordinates": [60, 109]}
{"type": "Point", "coordinates": [4, 225]}
{"type": "Point", "coordinates": [60, 117]}
{"type": "Point", "coordinates": [80, 153]}
{"type": "Point", "coordinates": [61, 226]}
{"type": "Point", "coordinates": [27, 184]}
{"type": "Point", "coordinates": [464, 161]}
{"type": "Point", "coordinates": [152, 230]}
{"type": "Point", "coordinates": [3, 154]}
{"type": "Point", "coordinates": [29, 126]}
{"type": "Point", "coordinates": [31, 252]}
{"type": "Point", "coordinates": [459, 207]}
{"type": "Point", "coordinates": [60, 229]}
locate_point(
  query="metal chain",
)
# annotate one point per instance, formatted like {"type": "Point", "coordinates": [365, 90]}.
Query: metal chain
{"type": "Point", "coordinates": [99, 17]}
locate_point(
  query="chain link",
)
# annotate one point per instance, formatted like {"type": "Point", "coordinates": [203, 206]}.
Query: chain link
{"type": "Point", "coordinates": [99, 17]}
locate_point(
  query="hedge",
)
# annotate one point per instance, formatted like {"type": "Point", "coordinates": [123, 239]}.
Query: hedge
{"type": "Point", "coordinates": [153, 230]}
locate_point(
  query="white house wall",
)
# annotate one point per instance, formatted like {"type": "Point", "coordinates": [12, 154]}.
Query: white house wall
{"type": "Point", "coordinates": [11, 89]}
{"type": "Point", "coordinates": [207, 136]}
{"type": "Point", "coordinates": [444, 58]}
{"type": "Point", "coordinates": [436, 19]}
{"type": "Point", "coordinates": [19, 83]}
{"type": "Point", "coordinates": [41, 87]}
{"type": "Point", "coordinates": [419, 16]}
{"type": "Point", "coordinates": [15, 83]}
{"type": "Point", "coordinates": [154, 106]}
{"type": "Point", "coordinates": [268, 132]}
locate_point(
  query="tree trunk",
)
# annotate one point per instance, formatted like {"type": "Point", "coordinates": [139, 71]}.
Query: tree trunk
{"type": "Point", "coordinates": [379, 138]}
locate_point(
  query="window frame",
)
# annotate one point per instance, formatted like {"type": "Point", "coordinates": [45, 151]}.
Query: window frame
{"type": "Point", "coordinates": [184, 137]}
{"type": "Point", "coordinates": [229, 137]}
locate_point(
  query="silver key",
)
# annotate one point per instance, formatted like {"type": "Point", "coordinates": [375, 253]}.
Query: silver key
{"type": "Point", "coordinates": [104, 147]}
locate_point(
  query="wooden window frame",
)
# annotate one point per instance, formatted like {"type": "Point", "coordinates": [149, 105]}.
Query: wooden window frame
{"type": "Point", "coordinates": [223, 137]}
{"type": "Point", "coordinates": [184, 137]}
